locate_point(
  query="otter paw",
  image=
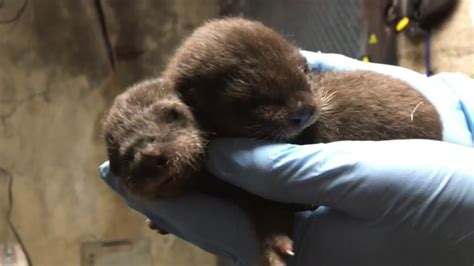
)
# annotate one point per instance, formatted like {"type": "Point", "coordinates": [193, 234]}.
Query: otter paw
{"type": "Point", "coordinates": [153, 226]}
{"type": "Point", "coordinates": [278, 248]}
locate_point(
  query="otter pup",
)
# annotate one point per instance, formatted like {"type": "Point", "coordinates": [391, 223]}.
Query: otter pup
{"type": "Point", "coordinates": [149, 132]}
{"type": "Point", "coordinates": [155, 148]}
{"type": "Point", "coordinates": [254, 77]}
{"type": "Point", "coordinates": [243, 79]}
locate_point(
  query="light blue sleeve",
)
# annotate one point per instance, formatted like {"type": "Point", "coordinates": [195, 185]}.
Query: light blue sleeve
{"type": "Point", "coordinates": [462, 87]}
{"type": "Point", "coordinates": [451, 93]}
{"type": "Point", "coordinates": [415, 185]}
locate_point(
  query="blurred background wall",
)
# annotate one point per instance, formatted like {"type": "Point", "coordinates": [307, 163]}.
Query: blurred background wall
{"type": "Point", "coordinates": [56, 81]}
{"type": "Point", "coordinates": [452, 46]}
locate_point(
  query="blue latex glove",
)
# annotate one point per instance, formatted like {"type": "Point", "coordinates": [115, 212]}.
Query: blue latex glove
{"type": "Point", "coordinates": [355, 233]}
{"type": "Point", "coordinates": [212, 224]}
{"type": "Point", "coordinates": [405, 201]}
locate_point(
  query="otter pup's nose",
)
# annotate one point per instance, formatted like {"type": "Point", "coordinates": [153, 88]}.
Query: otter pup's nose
{"type": "Point", "coordinates": [303, 115]}
{"type": "Point", "coordinates": [152, 161]}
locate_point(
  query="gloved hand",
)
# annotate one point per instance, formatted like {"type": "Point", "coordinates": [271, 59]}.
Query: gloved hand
{"type": "Point", "coordinates": [386, 202]}
{"type": "Point", "coordinates": [213, 224]}
{"type": "Point", "coordinates": [393, 212]}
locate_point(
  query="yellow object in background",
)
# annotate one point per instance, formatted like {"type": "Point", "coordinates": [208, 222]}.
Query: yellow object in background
{"type": "Point", "coordinates": [373, 39]}
{"type": "Point", "coordinates": [365, 59]}
{"type": "Point", "coordinates": [402, 24]}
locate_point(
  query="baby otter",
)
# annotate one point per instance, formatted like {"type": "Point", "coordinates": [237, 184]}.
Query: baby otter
{"type": "Point", "coordinates": [156, 149]}
{"type": "Point", "coordinates": [149, 132]}
{"type": "Point", "coordinates": [242, 79]}
{"type": "Point", "coordinates": [255, 78]}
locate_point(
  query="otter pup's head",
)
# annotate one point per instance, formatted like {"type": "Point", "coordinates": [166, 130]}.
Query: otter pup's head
{"type": "Point", "coordinates": [152, 140]}
{"type": "Point", "coordinates": [243, 79]}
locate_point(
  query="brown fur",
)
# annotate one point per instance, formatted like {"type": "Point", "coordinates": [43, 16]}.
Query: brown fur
{"type": "Point", "coordinates": [364, 105]}
{"type": "Point", "coordinates": [250, 73]}
{"type": "Point", "coordinates": [150, 133]}
{"type": "Point", "coordinates": [155, 149]}
{"type": "Point", "coordinates": [242, 79]}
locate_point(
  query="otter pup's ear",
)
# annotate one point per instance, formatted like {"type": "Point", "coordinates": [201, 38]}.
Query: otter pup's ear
{"type": "Point", "coordinates": [195, 97]}
{"type": "Point", "coordinates": [305, 66]}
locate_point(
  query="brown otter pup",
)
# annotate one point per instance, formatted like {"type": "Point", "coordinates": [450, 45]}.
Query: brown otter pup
{"type": "Point", "coordinates": [156, 149]}
{"type": "Point", "coordinates": [149, 132]}
{"type": "Point", "coordinates": [254, 77]}
{"type": "Point", "coordinates": [242, 79]}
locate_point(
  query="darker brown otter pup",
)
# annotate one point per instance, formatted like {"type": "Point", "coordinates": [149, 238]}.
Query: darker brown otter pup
{"type": "Point", "coordinates": [253, 76]}
{"type": "Point", "coordinates": [242, 79]}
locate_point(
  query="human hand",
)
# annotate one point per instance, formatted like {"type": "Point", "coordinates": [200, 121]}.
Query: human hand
{"type": "Point", "coordinates": [418, 190]}
{"type": "Point", "coordinates": [212, 224]}
{"type": "Point", "coordinates": [324, 236]}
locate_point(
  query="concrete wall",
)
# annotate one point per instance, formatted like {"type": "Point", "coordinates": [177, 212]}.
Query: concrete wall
{"type": "Point", "coordinates": [55, 83]}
